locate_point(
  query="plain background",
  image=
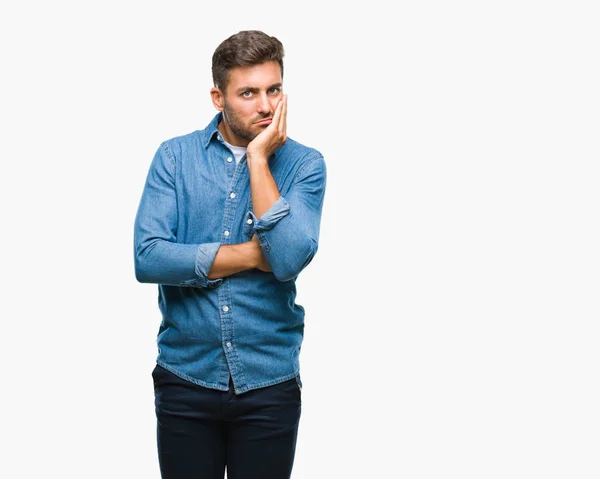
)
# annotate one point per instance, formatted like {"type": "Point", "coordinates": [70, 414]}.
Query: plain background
{"type": "Point", "coordinates": [452, 323]}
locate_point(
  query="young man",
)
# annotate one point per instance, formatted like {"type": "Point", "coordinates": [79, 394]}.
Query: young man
{"type": "Point", "coordinates": [228, 218]}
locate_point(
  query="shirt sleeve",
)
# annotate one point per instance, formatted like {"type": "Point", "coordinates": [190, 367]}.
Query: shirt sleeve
{"type": "Point", "coordinates": [158, 257]}
{"type": "Point", "coordinates": [288, 232]}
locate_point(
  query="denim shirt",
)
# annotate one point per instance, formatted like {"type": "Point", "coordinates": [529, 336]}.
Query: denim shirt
{"type": "Point", "coordinates": [196, 199]}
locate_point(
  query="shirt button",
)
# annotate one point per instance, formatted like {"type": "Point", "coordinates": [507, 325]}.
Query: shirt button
{"type": "Point", "coordinates": [219, 137]}
{"type": "Point", "coordinates": [232, 195]}
{"type": "Point", "coordinates": [229, 159]}
{"type": "Point", "coordinates": [249, 221]}
{"type": "Point", "coordinates": [226, 233]}
{"type": "Point", "coordinates": [225, 308]}
{"type": "Point", "coordinates": [228, 344]}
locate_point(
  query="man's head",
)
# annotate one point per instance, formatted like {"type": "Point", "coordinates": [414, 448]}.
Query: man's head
{"type": "Point", "coordinates": [246, 48]}
{"type": "Point", "coordinates": [247, 72]}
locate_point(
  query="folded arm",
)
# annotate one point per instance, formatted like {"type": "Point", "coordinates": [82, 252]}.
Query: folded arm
{"type": "Point", "coordinates": [160, 259]}
{"type": "Point", "coordinates": [232, 259]}
{"type": "Point", "coordinates": [288, 231]}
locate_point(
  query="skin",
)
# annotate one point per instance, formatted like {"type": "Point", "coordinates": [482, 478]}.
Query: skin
{"type": "Point", "coordinates": [254, 115]}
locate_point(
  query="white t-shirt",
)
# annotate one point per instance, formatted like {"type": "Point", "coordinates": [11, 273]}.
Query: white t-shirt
{"type": "Point", "coordinates": [238, 151]}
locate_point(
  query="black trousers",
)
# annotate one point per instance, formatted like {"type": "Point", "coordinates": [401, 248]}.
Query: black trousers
{"type": "Point", "coordinates": [201, 431]}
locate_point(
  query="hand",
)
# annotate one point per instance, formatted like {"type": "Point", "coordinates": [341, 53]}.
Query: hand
{"type": "Point", "coordinates": [272, 137]}
{"type": "Point", "coordinates": [261, 261]}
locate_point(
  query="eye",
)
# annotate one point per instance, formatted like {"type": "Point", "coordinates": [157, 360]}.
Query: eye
{"type": "Point", "coordinates": [275, 90]}
{"type": "Point", "coordinates": [247, 94]}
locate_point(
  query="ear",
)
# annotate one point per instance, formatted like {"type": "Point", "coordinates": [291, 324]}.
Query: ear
{"type": "Point", "coordinates": [217, 98]}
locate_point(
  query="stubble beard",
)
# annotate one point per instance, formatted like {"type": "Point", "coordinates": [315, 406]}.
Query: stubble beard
{"type": "Point", "coordinates": [236, 125]}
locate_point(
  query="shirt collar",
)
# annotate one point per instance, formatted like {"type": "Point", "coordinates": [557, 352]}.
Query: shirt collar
{"type": "Point", "coordinates": [212, 130]}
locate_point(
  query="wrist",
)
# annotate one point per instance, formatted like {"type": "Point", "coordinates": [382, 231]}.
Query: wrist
{"type": "Point", "coordinates": [252, 253]}
{"type": "Point", "coordinates": [256, 159]}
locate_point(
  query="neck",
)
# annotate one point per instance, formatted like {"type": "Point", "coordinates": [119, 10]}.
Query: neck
{"type": "Point", "coordinates": [228, 135]}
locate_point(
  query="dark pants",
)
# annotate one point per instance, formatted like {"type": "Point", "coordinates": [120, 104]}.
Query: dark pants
{"type": "Point", "coordinates": [202, 430]}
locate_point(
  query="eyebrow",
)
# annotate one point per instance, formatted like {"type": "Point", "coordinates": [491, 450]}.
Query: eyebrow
{"type": "Point", "coordinates": [254, 90]}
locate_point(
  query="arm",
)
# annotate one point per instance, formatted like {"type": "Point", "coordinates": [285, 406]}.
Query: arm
{"type": "Point", "coordinates": [262, 185]}
{"type": "Point", "coordinates": [159, 258]}
{"type": "Point", "coordinates": [287, 229]}
{"type": "Point", "coordinates": [231, 259]}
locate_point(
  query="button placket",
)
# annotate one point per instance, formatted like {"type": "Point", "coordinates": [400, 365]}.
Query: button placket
{"type": "Point", "coordinates": [228, 225]}
{"type": "Point", "coordinates": [231, 204]}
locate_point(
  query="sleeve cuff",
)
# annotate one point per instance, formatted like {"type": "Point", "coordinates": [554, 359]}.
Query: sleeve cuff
{"type": "Point", "coordinates": [204, 260]}
{"type": "Point", "coordinates": [278, 210]}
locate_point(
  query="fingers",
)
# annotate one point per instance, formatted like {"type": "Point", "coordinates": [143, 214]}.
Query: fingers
{"type": "Point", "coordinates": [283, 122]}
{"type": "Point", "coordinates": [277, 115]}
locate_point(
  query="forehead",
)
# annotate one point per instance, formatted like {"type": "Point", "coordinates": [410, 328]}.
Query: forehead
{"type": "Point", "coordinates": [254, 76]}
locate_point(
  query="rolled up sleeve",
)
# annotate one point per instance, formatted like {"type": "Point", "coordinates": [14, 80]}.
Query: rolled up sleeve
{"type": "Point", "coordinates": [158, 257]}
{"type": "Point", "coordinates": [289, 231]}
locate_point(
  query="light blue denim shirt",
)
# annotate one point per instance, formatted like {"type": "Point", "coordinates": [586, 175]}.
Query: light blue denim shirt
{"type": "Point", "coordinates": [196, 199]}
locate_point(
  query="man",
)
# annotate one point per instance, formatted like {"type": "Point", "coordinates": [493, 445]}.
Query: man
{"type": "Point", "coordinates": [228, 218]}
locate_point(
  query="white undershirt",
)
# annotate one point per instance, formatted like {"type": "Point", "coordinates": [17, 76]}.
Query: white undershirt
{"type": "Point", "coordinates": [238, 151]}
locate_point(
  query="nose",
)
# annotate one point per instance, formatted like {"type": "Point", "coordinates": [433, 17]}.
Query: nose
{"type": "Point", "coordinates": [263, 105]}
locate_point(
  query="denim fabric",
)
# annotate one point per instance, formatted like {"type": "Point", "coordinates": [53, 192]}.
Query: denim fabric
{"type": "Point", "coordinates": [196, 199]}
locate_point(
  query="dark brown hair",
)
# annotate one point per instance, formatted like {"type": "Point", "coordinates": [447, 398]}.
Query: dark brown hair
{"type": "Point", "coordinates": [249, 47]}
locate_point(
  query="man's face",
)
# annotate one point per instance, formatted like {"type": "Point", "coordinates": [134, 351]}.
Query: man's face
{"type": "Point", "coordinates": [249, 101]}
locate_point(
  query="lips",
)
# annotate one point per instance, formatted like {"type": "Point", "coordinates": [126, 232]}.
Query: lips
{"type": "Point", "coordinates": [266, 121]}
